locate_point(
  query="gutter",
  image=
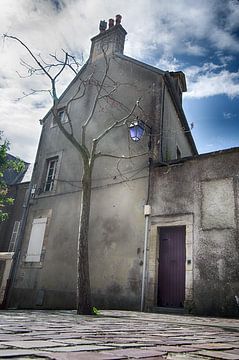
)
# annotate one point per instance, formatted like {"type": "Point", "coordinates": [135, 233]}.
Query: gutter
{"type": "Point", "coordinates": [147, 213]}
{"type": "Point", "coordinates": [180, 112]}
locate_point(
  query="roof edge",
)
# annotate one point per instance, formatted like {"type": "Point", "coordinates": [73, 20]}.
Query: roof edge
{"type": "Point", "coordinates": [140, 63]}
{"type": "Point", "coordinates": [196, 157]}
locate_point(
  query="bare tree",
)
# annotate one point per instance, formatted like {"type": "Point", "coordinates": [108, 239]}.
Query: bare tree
{"type": "Point", "coordinates": [88, 153]}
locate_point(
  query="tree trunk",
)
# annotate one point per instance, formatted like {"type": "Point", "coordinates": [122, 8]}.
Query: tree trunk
{"type": "Point", "coordinates": [83, 278]}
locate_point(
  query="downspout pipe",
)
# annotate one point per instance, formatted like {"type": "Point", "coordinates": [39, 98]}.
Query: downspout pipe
{"type": "Point", "coordinates": [147, 212]}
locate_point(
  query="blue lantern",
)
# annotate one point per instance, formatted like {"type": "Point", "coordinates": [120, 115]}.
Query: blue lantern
{"type": "Point", "coordinates": [136, 130]}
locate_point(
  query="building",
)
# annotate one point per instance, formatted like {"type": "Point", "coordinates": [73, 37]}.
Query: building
{"type": "Point", "coordinates": [18, 184]}
{"type": "Point", "coordinates": [195, 204]}
{"type": "Point", "coordinates": [151, 198]}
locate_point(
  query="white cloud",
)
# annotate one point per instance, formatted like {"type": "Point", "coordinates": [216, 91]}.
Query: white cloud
{"type": "Point", "coordinates": [229, 116]}
{"type": "Point", "coordinates": [168, 63]}
{"type": "Point", "coordinates": [209, 83]}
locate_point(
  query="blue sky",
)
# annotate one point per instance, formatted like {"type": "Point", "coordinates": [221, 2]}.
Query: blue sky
{"type": "Point", "coordinates": [200, 38]}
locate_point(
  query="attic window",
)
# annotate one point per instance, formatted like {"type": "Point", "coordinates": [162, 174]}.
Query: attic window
{"type": "Point", "coordinates": [179, 154]}
{"type": "Point", "coordinates": [62, 116]}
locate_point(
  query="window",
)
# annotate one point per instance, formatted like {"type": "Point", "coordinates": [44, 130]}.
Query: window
{"type": "Point", "coordinates": [62, 116]}
{"type": "Point", "coordinates": [36, 240]}
{"type": "Point", "coordinates": [51, 173]}
{"type": "Point", "coordinates": [179, 155]}
{"type": "Point", "coordinates": [13, 240]}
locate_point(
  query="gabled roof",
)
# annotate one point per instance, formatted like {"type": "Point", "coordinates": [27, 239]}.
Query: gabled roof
{"type": "Point", "coordinates": [140, 63]}
{"type": "Point", "coordinates": [12, 177]}
{"type": "Point", "coordinates": [166, 76]}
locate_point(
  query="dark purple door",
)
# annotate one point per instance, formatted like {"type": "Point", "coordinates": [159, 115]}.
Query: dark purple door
{"type": "Point", "coordinates": [172, 257]}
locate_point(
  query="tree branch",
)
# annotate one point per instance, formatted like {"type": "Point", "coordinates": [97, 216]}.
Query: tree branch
{"type": "Point", "coordinates": [63, 67]}
{"type": "Point", "coordinates": [33, 92]}
{"type": "Point", "coordinates": [122, 157]}
{"type": "Point", "coordinates": [84, 126]}
{"type": "Point", "coordinates": [116, 123]}
{"type": "Point", "coordinates": [30, 52]}
{"type": "Point", "coordinates": [70, 137]}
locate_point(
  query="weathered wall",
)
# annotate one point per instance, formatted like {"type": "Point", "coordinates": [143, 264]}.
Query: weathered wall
{"type": "Point", "coordinates": [119, 193]}
{"type": "Point", "coordinates": [17, 192]}
{"type": "Point", "coordinates": [206, 190]}
{"type": "Point", "coordinates": [117, 219]}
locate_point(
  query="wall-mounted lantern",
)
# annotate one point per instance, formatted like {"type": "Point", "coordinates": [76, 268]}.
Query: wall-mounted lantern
{"type": "Point", "coordinates": [137, 129]}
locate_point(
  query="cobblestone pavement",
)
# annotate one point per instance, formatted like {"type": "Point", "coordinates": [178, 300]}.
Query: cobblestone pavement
{"type": "Point", "coordinates": [63, 335]}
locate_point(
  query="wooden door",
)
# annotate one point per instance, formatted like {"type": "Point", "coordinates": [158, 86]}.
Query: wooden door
{"type": "Point", "coordinates": [172, 257]}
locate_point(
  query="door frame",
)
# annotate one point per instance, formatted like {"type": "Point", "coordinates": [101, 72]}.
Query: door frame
{"type": "Point", "coordinates": [186, 220]}
{"type": "Point", "coordinates": [178, 235]}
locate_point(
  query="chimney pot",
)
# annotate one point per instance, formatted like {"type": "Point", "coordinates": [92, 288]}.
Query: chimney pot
{"type": "Point", "coordinates": [118, 19]}
{"type": "Point", "coordinates": [103, 26]}
{"type": "Point", "coordinates": [111, 23]}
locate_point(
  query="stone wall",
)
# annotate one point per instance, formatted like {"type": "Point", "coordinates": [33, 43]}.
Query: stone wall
{"type": "Point", "coordinates": [201, 193]}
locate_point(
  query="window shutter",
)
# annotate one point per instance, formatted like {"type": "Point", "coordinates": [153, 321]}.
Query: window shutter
{"type": "Point", "coordinates": [36, 240]}
{"type": "Point", "coordinates": [15, 231]}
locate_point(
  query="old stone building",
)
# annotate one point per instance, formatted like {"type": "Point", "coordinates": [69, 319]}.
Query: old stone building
{"type": "Point", "coordinates": [174, 209]}
{"type": "Point", "coordinates": [195, 203]}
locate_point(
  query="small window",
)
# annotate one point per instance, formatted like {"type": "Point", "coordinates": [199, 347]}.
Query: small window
{"type": "Point", "coordinates": [62, 116]}
{"type": "Point", "coordinates": [51, 173]}
{"type": "Point", "coordinates": [179, 155]}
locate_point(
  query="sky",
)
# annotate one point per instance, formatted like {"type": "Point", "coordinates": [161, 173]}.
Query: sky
{"type": "Point", "coordinates": [200, 38]}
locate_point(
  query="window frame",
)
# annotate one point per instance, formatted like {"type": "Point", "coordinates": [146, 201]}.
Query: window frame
{"type": "Point", "coordinates": [63, 117]}
{"type": "Point", "coordinates": [52, 182]}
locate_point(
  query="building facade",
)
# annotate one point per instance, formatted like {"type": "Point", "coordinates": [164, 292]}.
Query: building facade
{"type": "Point", "coordinates": [120, 227]}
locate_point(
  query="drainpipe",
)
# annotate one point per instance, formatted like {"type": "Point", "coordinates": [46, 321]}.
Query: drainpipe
{"type": "Point", "coordinates": [162, 124]}
{"type": "Point", "coordinates": [147, 212]}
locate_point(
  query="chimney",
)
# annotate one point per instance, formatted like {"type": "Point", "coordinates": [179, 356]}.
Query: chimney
{"type": "Point", "coordinates": [111, 23]}
{"type": "Point", "coordinates": [103, 26]}
{"type": "Point", "coordinates": [109, 40]}
{"type": "Point", "coordinates": [118, 19]}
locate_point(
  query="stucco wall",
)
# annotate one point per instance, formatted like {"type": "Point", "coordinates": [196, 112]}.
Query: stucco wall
{"type": "Point", "coordinates": [119, 193]}
{"type": "Point", "coordinates": [117, 219]}
{"type": "Point", "coordinates": [205, 190]}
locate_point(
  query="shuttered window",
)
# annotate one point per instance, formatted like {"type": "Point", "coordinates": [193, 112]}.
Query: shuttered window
{"type": "Point", "coordinates": [36, 240]}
